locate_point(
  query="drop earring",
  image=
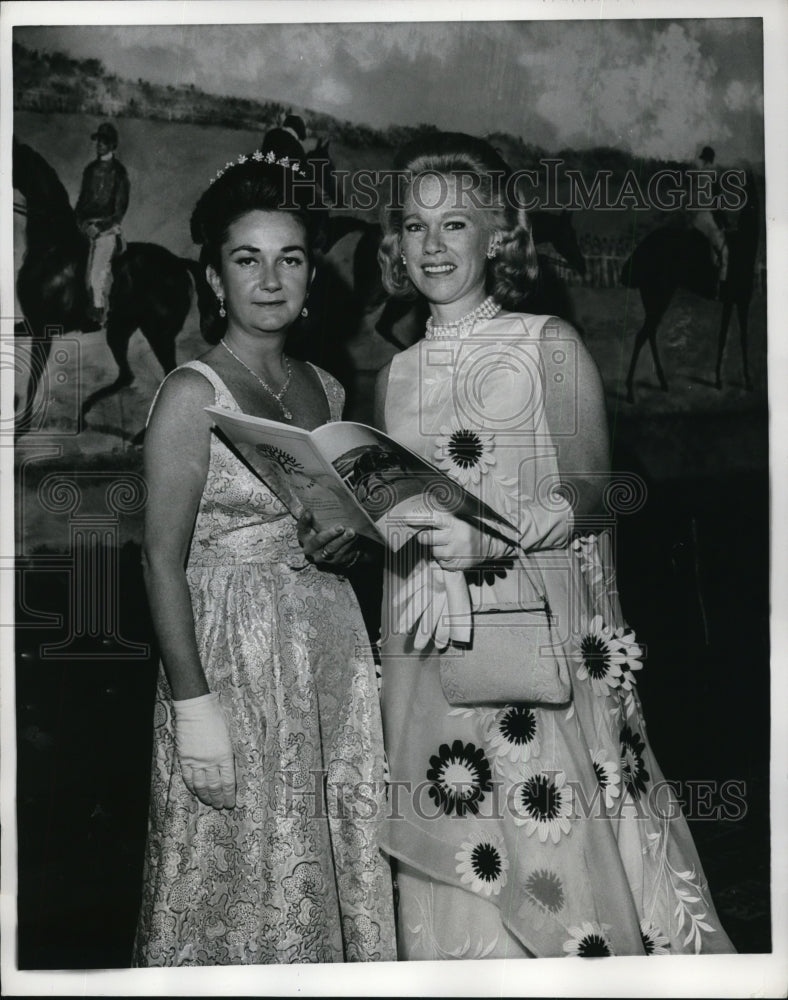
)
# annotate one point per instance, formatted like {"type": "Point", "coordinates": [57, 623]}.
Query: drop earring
{"type": "Point", "coordinates": [494, 247]}
{"type": "Point", "coordinates": [222, 310]}
{"type": "Point", "coordinates": [402, 255]}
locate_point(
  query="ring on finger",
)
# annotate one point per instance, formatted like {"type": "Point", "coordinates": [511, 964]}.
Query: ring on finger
{"type": "Point", "coordinates": [324, 555]}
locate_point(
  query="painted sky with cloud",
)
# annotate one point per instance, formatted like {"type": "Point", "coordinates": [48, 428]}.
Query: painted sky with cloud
{"type": "Point", "coordinates": [656, 87]}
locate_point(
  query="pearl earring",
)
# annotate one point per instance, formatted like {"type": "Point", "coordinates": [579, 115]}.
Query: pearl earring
{"type": "Point", "coordinates": [222, 310]}
{"type": "Point", "coordinates": [402, 255]}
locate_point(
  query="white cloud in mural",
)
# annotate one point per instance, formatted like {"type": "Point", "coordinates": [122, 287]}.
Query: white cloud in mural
{"type": "Point", "coordinates": [655, 96]}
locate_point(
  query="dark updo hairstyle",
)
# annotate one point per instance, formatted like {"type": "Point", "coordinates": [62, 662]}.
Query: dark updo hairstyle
{"type": "Point", "coordinates": [513, 271]}
{"type": "Point", "coordinates": [246, 187]}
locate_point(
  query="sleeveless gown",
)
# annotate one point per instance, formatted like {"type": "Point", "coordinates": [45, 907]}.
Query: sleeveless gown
{"type": "Point", "coordinates": [293, 873]}
{"type": "Point", "coordinates": [524, 824]}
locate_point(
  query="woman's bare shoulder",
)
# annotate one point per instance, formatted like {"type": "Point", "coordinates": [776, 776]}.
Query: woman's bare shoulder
{"type": "Point", "coordinates": [181, 399]}
{"type": "Point", "coordinates": [187, 385]}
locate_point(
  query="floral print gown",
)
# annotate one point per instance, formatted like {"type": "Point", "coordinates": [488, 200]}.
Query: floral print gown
{"type": "Point", "coordinates": [527, 814]}
{"type": "Point", "coordinates": [293, 873]}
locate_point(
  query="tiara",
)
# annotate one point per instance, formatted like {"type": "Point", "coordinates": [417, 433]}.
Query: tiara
{"type": "Point", "coordinates": [269, 158]}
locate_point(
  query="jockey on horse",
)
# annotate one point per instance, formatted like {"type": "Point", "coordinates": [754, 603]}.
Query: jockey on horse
{"type": "Point", "coordinates": [103, 200]}
{"type": "Point", "coordinates": [708, 221]}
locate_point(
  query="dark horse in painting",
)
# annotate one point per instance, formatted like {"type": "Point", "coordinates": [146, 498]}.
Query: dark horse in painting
{"type": "Point", "coordinates": [151, 287]}
{"type": "Point", "coordinates": [550, 295]}
{"type": "Point", "coordinates": [670, 258]}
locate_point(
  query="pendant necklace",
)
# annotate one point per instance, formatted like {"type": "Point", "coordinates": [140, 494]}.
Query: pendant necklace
{"type": "Point", "coordinates": [277, 395]}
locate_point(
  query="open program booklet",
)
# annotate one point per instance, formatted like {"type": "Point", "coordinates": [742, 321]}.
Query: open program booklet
{"type": "Point", "coordinates": [354, 475]}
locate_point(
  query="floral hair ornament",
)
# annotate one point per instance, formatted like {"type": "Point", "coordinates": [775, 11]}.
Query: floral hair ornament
{"type": "Point", "coordinates": [270, 158]}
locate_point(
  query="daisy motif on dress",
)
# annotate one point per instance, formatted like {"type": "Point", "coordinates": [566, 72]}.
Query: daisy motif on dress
{"type": "Point", "coordinates": [633, 769]}
{"type": "Point", "coordinates": [465, 452]}
{"type": "Point", "coordinates": [483, 863]}
{"type": "Point", "coordinates": [545, 888]}
{"type": "Point", "coordinates": [654, 941]}
{"type": "Point", "coordinates": [600, 656]}
{"type": "Point", "coordinates": [608, 776]}
{"type": "Point", "coordinates": [631, 653]}
{"type": "Point", "coordinates": [590, 940]}
{"type": "Point", "coordinates": [513, 734]}
{"type": "Point", "coordinates": [543, 804]}
{"type": "Point", "coordinates": [460, 776]}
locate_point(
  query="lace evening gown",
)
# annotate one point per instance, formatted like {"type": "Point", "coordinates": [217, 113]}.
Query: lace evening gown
{"type": "Point", "coordinates": [293, 873]}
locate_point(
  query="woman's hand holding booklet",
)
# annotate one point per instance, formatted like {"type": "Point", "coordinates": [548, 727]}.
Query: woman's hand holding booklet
{"type": "Point", "coordinates": [350, 474]}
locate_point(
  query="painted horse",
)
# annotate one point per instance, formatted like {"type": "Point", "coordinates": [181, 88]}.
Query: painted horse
{"type": "Point", "coordinates": [151, 288]}
{"type": "Point", "coordinates": [671, 258]}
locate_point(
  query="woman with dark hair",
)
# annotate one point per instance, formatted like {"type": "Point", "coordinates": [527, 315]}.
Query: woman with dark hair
{"type": "Point", "coordinates": [528, 816]}
{"type": "Point", "coordinates": [268, 762]}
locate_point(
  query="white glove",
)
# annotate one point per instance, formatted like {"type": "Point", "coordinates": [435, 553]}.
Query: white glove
{"type": "Point", "coordinates": [435, 606]}
{"type": "Point", "coordinates": [435, 603]}
{"type": "Point", "coordinates": [202, 740]}
{"type": "Point", "coordinates": [456, 544]}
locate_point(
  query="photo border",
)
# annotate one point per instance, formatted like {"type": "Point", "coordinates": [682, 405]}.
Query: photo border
{"type": "Point", "coordinates": [764, 975]}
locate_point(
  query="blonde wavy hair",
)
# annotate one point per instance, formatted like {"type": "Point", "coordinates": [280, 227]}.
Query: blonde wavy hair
{"type": "Point", "coordinates": [513, 271]}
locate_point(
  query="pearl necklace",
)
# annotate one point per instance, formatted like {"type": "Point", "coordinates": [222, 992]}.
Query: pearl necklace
{"type": "Point", "coordinates": [465, 324]}
{"type": "Point", "coordinates": [277, 395]}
